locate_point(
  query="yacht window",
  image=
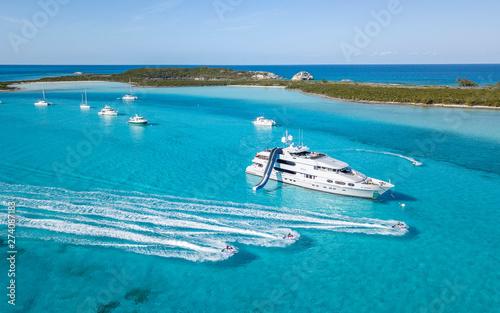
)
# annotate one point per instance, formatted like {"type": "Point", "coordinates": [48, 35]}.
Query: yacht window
{"type": "Point", "coordinates": [285, 162]}
{"type": "Point", "coordinates": [284, 170]}
{"type": "Point", "coordinates": [330, 181]}
{"type": "Point", "coordinates": [347, 170]}
{"type": "Point", "coordinates": [322, 168]}
{"type": "Point", "coordinates": [351, 184]}
{"type": "Point", "coordinates": [340, 182]}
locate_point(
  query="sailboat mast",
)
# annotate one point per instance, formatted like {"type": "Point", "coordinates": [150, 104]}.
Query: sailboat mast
{"type": "Point", "coordinates": [85, 96]}
{"type": "Point", "coordinates": [43, 92]}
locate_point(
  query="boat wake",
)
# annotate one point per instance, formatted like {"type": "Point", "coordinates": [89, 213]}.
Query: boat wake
{"type": "Point", "coordinates": [412, 160]}
{"type": "Point", "coordinates": [165, 226]}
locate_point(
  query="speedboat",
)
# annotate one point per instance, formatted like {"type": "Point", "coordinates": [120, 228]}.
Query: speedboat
{"type": "Point", "coordinates": [400, 225]}
{"type": "Point", "coordinates": [138, 120]}
{"type": "Point", "coordinates": [261, 121]}
{"type": "Point", "coordinates": [108, 111]}
{"type": "Point", "coordinates": [229, 250]}
{"type": "Point", "coordinates": [297, 165]}
{"type": "Point", "coordinates": [43, 101]}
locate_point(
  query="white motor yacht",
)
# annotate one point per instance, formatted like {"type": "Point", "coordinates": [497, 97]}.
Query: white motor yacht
{"type": "Point", "coordinates": [138, 120]}
{"type": "Point", "coordinates": [297, 165]}
{"type": "Point", "coordinates": [261, 121]}
{"type": "Point", "coordinates": [108, 111]}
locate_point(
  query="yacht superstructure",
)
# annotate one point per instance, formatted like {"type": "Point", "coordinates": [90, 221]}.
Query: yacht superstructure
{"type": "Point", "coordinates": [297, 165]}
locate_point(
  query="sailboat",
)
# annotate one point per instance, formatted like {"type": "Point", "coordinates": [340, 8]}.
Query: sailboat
{"type": "Point", "coordinates": [131, 95]}
{"type": "Point", "coordinates": [43, 101]}
{"type": "Point", "coordinates": [84, 105]}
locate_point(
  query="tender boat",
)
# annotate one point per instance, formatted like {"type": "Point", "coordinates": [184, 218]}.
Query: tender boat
{"type": "Point", "coordinates": [297, 165]}
{"type": "Point", "coordinates": [84, 105]}
{"type": "Point", "coordinates": [261, 121]}
{"type": "Point", "coordinates": [108, 111]}
{"type": "Point", "coordinates": [43, 101]}
{"type": "Point", "coordinates": [138, 120]}
{"type": "Point", "coordinates": [131, 95]}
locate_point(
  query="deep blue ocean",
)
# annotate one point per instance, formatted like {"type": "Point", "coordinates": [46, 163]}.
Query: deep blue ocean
{"type": "Point", "coordinates": [426, 74]}
{"type": "Point", "coordinates": [119, 218]}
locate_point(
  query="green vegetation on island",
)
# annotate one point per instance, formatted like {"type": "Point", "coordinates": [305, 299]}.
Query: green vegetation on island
{"type": "Point", "coordinates": [5, 86]}
{"type": "Point", "coordinates": [429, 95]}
{"type": "Point", "coordinates": [464, 82]}
{"type": "Point", "coordinates": [465, 94]}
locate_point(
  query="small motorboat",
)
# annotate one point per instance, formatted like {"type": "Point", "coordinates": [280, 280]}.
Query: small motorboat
{"type": "Point", "coordinates": [400, 225]}
{"type": "Point", "coordinates": [138, 120]}
{"type": "Point", "coordinates": [261, 121]}
{"type": "Point", "coordinates": [108, 111]}
{"type": "Point", "coordinates": [229, 250]}
{"type": "Point", "coordinates": [290, 237]}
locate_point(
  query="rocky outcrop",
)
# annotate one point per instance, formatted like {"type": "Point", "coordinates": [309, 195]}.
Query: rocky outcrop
{"type": "Point", "coordinates": [265, 75]}
{"type": "Point", "coordinates": [302, 76]}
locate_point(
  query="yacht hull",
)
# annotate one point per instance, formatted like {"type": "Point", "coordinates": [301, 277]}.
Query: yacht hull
{"type": "Point", "coordinates": [367, 191]}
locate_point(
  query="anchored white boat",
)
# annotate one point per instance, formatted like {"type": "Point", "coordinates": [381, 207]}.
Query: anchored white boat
{"type": "Point", "coordinates": [296, 165]}
{"type": "Point", "coordinates": [131, 95]}
{"type": "Point", "coordinates": [84, 105]}
{"type": "Point", "coordinates": [108, 111]}
{"type": "Point", "coordinates": [43, 101]}
{"type": "Point", "coordinates": [261, 121]}
{"type": "Point", "coordinates": [138, 120]}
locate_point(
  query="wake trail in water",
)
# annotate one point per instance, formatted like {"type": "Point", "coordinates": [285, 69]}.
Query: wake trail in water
{"type": "Point", "coordinates": [166, 226]}
{"type": "Point", "coordinates": [412, 160]}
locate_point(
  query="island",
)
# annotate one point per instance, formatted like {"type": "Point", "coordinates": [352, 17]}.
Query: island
{"type": "Point", "coordinates": [432, 96]}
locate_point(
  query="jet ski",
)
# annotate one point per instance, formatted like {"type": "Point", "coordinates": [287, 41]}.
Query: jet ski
{"type": "Point", "coordinates": [400, 225]}
{"type": "Point", "coordinates": [290, 237]}
{"type": "Point", "coordinates": [229, 250]}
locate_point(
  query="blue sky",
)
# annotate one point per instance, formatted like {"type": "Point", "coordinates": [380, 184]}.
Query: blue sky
{"type": "Point", "coordinates": [249, 32]}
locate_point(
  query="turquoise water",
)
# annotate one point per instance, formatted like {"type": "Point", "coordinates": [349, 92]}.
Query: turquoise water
{"type": "Point", "coordinates": [409, 74]}
{"type": "Point", "coordinates": [134, 217]}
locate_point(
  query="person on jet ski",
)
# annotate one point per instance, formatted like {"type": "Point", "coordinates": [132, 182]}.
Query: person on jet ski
{"type": "Point", "coordinates": [290, 235]}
